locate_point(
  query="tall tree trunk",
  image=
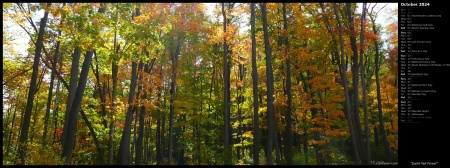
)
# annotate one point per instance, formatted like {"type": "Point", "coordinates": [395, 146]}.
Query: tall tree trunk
{"type": "Point", "coordinates": [226, 92]}
{"type": "Point", "coordinates": [195, 129]}
{"type": "Point", "coordinates": [50, 91]}
{"type": "Point", "coordinates": [72, 117]}
{"type": "Point", "coordinates": [140, 118]}
{"type": "Point", "coordinates": [377, 80]}
{"type": "Point", "coordinates": [136, 114]}
{"type": "Point", "coordinates": [159, 132]}
{"type": "Point", "coordinates": [288, 132]}
{"type": "Point", "coordinates": [97, 144]}
{"type": "Point", "coordinates": [173, 94]}
{"type": "Point", "coordinates": [76, 105]}
{"type": "Point", "coordinates": [115, 70]}
{"type": "Point", "coordinates": [124, 148]}
{"type": "Point", "coordinates": [211, 116]}
{"type": "Point", "coordinates": [347, 108]}
{"type": "Point", "coordinates": [164, 151]}
{"type": "Point", "coordinates": [135, 118]}
{"type": "Point", "coordinates": [255, 90]}
{"type": "Point", "coordinates": [355, 71]}
{"type": "Point", "coordinates": [28, 110]}
{"type": "Point", "coordinates": [239, 131]}
{"type": "Point", "coordinates": [123, 156]}
{"type": "Point", "coordinates": [72, 90]}
{"type": "Point", "coordinates": [112, 118]}
{"type": "Point", "coordinates": [363, 85]}
{"type": "Point", "coordinates": [270, 88]}
{"type": "Point", "coordinates": [147, 69]}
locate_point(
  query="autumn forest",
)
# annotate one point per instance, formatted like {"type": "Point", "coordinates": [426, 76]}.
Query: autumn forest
{"type": "Point", "coordinates": [199, 84]}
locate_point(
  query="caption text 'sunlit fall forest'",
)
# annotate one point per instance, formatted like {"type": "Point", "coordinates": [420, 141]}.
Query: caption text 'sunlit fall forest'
{"type": "Point", "coordinates": [199, 83]}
